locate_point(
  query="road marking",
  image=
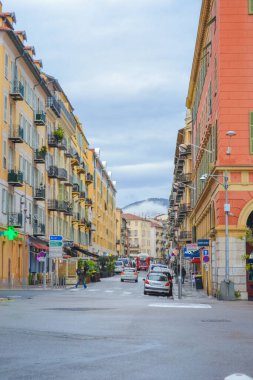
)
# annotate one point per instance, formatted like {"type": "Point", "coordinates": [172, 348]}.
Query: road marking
{"type": "Point", "coordinates": [127, 292]}
{"type": "Point", "coordinates": [182, 305]}
{"type": "Point", "coordinates": [109, 291]}
{"type": "Point", "coordinates": [93, 290]}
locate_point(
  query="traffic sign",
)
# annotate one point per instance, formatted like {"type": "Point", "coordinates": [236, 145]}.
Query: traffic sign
{"type": "Point", "coordinates": [205, 252]}
{"type": "Point", "coordinates": [203, 242]}
{"type": "Point", "coordinates": [55, 246]}
{"type": "Point", "coordinates": [205, 259]}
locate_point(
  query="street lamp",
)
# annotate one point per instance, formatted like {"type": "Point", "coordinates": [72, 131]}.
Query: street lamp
{"type": "Point", "coordinates": [227, 287]}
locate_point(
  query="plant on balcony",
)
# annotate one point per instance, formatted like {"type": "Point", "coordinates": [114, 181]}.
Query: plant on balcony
{"type": "Point", "coordinates": [43, 150]}
{"type": "Point", "coordinates": [59, 133]}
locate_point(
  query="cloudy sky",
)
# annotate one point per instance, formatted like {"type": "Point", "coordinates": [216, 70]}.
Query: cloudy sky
{"type": "Point", "coordinates": [125, 66]}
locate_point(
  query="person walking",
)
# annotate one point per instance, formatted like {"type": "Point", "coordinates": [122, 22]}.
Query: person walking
{"type": "Point", "coordinates": [81, 277]}
{"type": "Point", "coordinates": [183, 274]}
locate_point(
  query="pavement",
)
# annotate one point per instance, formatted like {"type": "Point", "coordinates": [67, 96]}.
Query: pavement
{"type": "Point", "coordinates": [190, 292]}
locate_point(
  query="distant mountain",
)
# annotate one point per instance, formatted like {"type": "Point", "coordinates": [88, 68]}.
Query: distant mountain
{"type": "Point", "coordinates": [148, 208]}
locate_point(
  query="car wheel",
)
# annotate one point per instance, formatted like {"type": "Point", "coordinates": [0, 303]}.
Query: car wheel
{"type": "Point", "coordinates": [122, 280]}
{"type": "Point", "coordinates": [145, 293]}
{"type": "Point", "coordinates": [136, 280]}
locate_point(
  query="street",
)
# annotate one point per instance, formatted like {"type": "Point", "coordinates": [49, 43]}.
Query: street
{"type": "Point", "coordinates": [112, 331]}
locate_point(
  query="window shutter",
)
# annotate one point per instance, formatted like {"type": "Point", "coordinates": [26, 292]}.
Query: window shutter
{"type": "Point", "coordinates": [250, 7]}
{"type": "Point", "coordinates": [251, 132]}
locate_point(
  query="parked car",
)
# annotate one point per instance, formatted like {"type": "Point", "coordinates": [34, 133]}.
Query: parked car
{"type": "Point", "coordinates": [153, 267]}
{"type": "Point", "coordinates": [118, 266]}
{"type": "Point", "coordinates": [129, 274]}
{"type": "Point", "coordinates": [125, 261]}
{"type": "Point", "coordinates": [157, 283]}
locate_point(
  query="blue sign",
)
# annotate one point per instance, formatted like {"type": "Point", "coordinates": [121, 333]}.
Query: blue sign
{"type": "Point", "coordinates": [55, 237]}
{"type": "Point", "coordinates": [205, 252]}
{"type": "Point", "coordinates": [205, 259]}
{"type": "Point", "coordinates": [196, 254]}
{"type": "Point", "coordinates": [203, 242]}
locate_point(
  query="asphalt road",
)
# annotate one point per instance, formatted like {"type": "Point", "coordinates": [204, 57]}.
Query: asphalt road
{"type": "Point", "coordinates": [112, 331]}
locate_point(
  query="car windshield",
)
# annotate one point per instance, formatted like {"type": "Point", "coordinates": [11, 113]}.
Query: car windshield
{"type": "Point", "coordinates": [157, 277]}
{"type": "Point", "coordinates": [118, 263]}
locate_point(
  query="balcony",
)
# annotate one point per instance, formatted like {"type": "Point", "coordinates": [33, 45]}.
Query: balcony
{"type": "Point", "coordinates": [81, 168]}
{"type": "Point", "coordinates": [88, 202]}
{"type": "Point", "coordinates": [16, 134]}
{"type": "Point", "coordinates": [52, 205]}
{"type": "Point", "coordinates": [15, 219]}
{"type": "Point", "coordinates": [62, 174]}
{"type": "Point", "coordinates": [69, 181]}
{"type": "Point", "coordinates": [39, 156]}
{"type": "Point", "coordinates": [40, 118]}
{"type": "Point", "coordinates": [17, 90]}
{"type": "Point", "coordinates": [82, 222]}
{"type": "Point", "coordinates": [62, 206]}
{"type": "Point", "coordinates": [15, 178]}
{"type": "Point", "coordinates": [186, 150]}
{"type": "Point", "coordinates": [75, 189]}
{"type": "Point", "coordinates": [53, 172]}
{"type": "Point", "coordinates": [89, 178]}
{"type": "Point", "coordinates": [69, 152]}
{"type": "Point", "coordinates": [52, 141]}
{"type": "Point", "coordinates": [185, 235]}
{"type": "Point", "coordinates": [69, 209]}
{"type": "Point", "coordinates": [39, 229]}
{"type": "Point", "coordinates": [75, 161]}
{"type": "Point", "coordinates": [82, 196]}
{"type": "Point", "coordinates": [39, 194]}
{"type": "Point", "coordinates": [184, 208]}
{"type": "Point", "coordinates": [75, 217]}
{"type": "Point", "coordinates": [62, 144]}
{"type": "Point", "coordinates": [184, 178]}
{"type": "Point", "coordinates": [54, 105]}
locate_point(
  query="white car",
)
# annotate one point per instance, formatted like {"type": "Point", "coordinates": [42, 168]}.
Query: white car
{"type": "Point", "coordinates": [119, 266]}
{"type": "Point", "coordinates": [129, 274]}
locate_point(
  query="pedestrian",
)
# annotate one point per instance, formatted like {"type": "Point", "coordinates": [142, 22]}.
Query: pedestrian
{"type": "Point", "coordinates": [81, 277]}
{"type": "Point", "coordinates": [183, 274]}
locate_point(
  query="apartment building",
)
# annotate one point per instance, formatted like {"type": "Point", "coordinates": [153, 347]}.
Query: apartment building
{"type": "Point", "coordinates": [122, 234]}
{"type": "Point", "coordinates": [139, 234]}
{"type": "Point", "coordinates": [46, 177]}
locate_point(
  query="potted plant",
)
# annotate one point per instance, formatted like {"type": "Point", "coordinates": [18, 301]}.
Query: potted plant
{"type": "Point", "coordinates": [59, 133]}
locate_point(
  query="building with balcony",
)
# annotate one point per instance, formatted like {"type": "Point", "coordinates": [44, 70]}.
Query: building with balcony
{"type": "Point", "coordinates": [220, 103]}
{"type": "Point", "coordinates": [139, 232]}
{"type": "Point", "coordinates": [122, 234]}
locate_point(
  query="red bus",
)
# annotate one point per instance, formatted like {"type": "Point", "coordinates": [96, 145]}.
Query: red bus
{"type": "Point", "coordinates": [142, 261]}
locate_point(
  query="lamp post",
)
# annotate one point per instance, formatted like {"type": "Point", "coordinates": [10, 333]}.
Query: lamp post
{"type": "Point", "coordinates": [24, 278]}
{"type": "Point", "coordinates": [227, 287]}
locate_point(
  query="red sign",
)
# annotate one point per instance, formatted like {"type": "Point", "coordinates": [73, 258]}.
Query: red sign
{"type": "Point", "coordinates": [205, 259]}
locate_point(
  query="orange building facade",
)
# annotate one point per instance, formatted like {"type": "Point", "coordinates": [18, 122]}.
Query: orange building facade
{"type": "Point", "coordinates": [220, 97]}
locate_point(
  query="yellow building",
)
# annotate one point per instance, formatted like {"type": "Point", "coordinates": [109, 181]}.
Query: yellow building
{"type": "Point", "coordinates": [122, 234]}
{"type": "Point", "coordinates": [103, 195]}
{"type": "Point", "coordinates": [46, 174]}
{"type": "Point", "coordinates": [139, 234]}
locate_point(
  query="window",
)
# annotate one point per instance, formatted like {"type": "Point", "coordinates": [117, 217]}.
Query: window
{"type": "Point", "coordinates": [6, 66]}
{"type": "Point", "coordinates": [250, 7]}
{"type": "Point", "coordinates": [4, 155]}
{"type": "Point", "coordinates": [210, 99]}
{"type": "Point", "coordinates": [4, 201]}
{"type": "Point", "coordinates": [5, 108]}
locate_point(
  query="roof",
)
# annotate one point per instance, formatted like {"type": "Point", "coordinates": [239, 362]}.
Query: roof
{"type": "Point", "coordinates": [134, 217]}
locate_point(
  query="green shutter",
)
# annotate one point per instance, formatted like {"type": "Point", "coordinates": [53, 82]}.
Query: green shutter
{"type": "Point", "coordinates": [250, 7]}
{"type": "Point", "coordinates": [251, 132]}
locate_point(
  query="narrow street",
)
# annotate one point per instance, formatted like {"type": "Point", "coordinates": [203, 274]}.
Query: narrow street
{"type": "Point", "coordinates": [112, 331]}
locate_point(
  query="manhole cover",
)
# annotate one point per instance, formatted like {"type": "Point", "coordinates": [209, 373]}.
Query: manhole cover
{"type": "Point", "coordinates": [215, 320]}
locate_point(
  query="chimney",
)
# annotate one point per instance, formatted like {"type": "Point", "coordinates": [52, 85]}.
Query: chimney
{"type": "Point", "coordinates": [21, 35]}
{"type": "Point", "coordinates": [30, 50]}
{"type": "Point", "coordinates": [38, 64]}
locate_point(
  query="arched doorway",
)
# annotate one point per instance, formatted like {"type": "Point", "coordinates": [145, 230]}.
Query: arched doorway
{"type": "Point", "coordinates": [249, 253]}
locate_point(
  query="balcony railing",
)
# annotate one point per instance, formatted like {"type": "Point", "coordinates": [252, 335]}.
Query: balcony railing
{"type": "Point", "coordinates": [52, 205]}
{"type": "Point", "coordinates": [39, 118]}
{"type": "Point", "coordinates": [88, 202]}
{"type": "Point", "coordinates": [52, 141]}
{"type": "Point", "coordinates": [15, 219]}
{"type": "Point", "coordinates": [82, 195]}
{"type": "Point", "coordinates": [81, 168]}
{"type": "Point", "coordinates": [54, 105]}
{"type": "Point", "coordinates": [39, 229]}
{"type": "Point", "coordinates": [186, 151]}
{"type": "Point", "coordinates": [62, 144]}
{"type": "Point", "coordinates": [62, 206]}
{"type": "Point", "coordinates": [39, 156]}
{"type": "Point", "coordinates": [62, 174]}
{"type": "Point", "coordinates": [40, 194]}
{"type": "Point", "coordinates": [89, 178]}
{"type": "Point", "coordinates": [15, 178]}
{"type": "Point", "coordinates": [185, 235]}
{"type": "Point", "coordinates": [68, 115]}
{"type": "Point", "coordinates": [69, 209]}
{"type": "Point", "coordinates": [53, 172]}
{"type": "Point", "coordinates": [184, 208]}
{"type": "Point", "coordinates": [75, 161]}
{"type": "Point", "coordinates": [17, 90]}
{"type": "Point", "coordinates": [184, 178]}
{"type": "Point", "coordinates": [75, 217]}
{"type": "Point", "coordinates": [69, 181]}
{"type": "Point", "coordinates": [16, 134]}
{"type": "Point", "coordinates": [75, 189]}
{"type": "Point", "coordinates": [69, 152]}
{"type": "Point", "coordinates": [82, 222]}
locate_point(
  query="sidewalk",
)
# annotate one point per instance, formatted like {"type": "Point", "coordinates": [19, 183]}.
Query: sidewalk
{"type": "Point", "coordinates": [190, 292]}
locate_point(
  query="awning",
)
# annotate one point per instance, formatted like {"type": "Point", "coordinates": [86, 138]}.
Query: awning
{"type": "Point", "coordinates": [196, 260]}
{"type": "Point", "coordinates": [85, 252]}
{"type": "Point", "coordinates": [38, 243]}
